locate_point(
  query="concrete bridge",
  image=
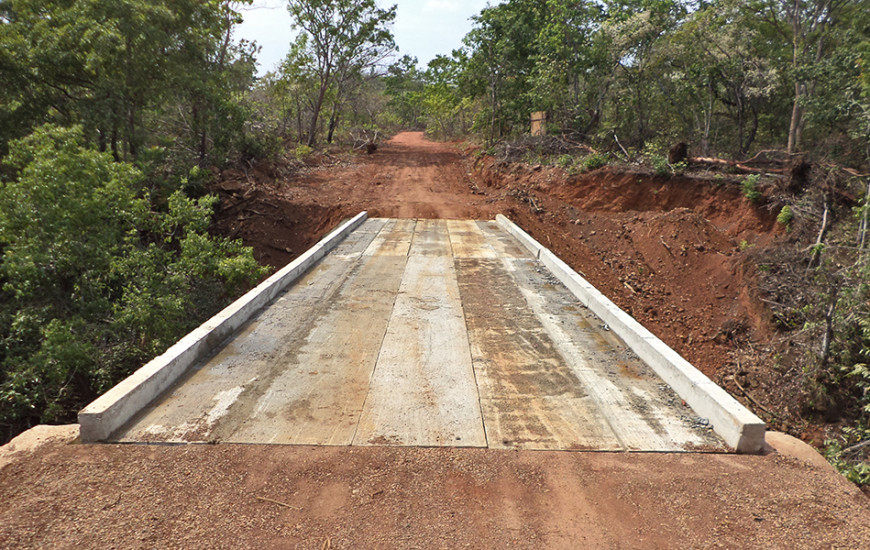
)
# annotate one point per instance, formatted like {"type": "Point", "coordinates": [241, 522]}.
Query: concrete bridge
{"type": "Point", "coordinates": [425, 333]}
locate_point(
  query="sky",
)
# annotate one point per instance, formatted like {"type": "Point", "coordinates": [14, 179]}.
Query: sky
{"type": "Point", "coordinates": [423, 28]}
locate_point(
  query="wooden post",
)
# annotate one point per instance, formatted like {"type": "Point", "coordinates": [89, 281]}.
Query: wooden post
{"type": "Point", "coordinates": [539, 123]}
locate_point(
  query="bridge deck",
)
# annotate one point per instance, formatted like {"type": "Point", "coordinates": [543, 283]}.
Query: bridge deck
{"type": "Point", "coordinates": [429, 333]}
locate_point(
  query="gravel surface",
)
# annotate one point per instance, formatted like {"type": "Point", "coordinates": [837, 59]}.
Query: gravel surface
{"type": "Point", "coordinates": [250, 496]}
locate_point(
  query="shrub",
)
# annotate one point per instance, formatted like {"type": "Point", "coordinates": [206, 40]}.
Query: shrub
{"type": "Point", "coordinates": [259, 145]}
{"type": "Point", "coordinates": [565, 162]}
{"type": "Point", "coordinates": [660, 165]}
{"type": "Point", "coordinates": [96, 278]}
{"type": "Point", "coordinates": [785, 216]}
{"type": "Point", "coordinates": [850, 464]}
{"type": "Point", "coordinates": [594, 161]}
{"type": "Point", "coordinates": [749, 186]}
{"type": "Point", "coordinates": [302, 151]}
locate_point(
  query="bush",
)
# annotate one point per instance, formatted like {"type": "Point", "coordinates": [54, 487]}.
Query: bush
{"type": "Point", "coordinates": [259, 145]}
{"type": "Point", "coordinates": [749, 186]}
{"type": "Point", "coordinates": [95, 279]}
{"type": "Point", "coordinates": [565, 162]}
{"type": "Point", "coordinates": [302, 151]}
{"type": "Point", "coordinates": [785, 216]}
{"type": "Point", "coordinates": [850, 464]}
{"type": "Point", "coordinates": [660, 165]}
{"type": "Point", "coordinates": [594, 161]}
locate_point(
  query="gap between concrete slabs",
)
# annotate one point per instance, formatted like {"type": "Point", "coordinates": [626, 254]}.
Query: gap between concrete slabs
{"type": "Point", "coordinates": [740, 429]}
{"type": "Point", "coordinates": [118, 405]}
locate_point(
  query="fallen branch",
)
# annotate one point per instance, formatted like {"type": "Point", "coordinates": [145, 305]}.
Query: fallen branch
{"type": "Point", "coordinates": [537, 210]}
{"type": "Point", "coordinates": [279, 503]}
{"type": "Point", "coordinates": [764, 152]}
{"type": "Point", "coordinates": [850, 171]}
{"type": "Point", "coordinates": [857, 446]}
{"type": "Point", "coordinates": [627, 156]}
{"type": "Point", "coordinates": [737, 165]}
{"type": "Point", "coordinates": [579, 145]}
{"type": "Point", "coordinates": [664, 243]}
{"type": "Point", "coordinates": [816, 248]}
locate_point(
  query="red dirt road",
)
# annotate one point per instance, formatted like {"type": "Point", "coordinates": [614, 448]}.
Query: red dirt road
{"type": "Point", "coordinates": [234, 496]}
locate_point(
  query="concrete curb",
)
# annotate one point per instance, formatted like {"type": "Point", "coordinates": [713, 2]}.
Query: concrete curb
{"type": "Point", "coordinates": [525, 239]}
{"type": "Point", "coordinates": [118, 405]}
{"type": "Point", "coordinates": [740, 429]}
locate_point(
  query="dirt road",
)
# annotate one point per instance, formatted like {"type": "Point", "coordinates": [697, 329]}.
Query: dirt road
{"type": "Point", "coordinates": [237, 496]}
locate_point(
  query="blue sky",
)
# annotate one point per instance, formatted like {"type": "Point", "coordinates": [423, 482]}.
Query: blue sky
{"type": "Point", "coordinates": [423, 28]}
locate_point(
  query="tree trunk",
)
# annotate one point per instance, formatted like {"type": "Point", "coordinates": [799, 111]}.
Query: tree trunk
{"type": "Point", "coordinates": [863, 227]}
{"type": "Point", "coordinates": [741, 123]}
{"type": "Point", "coordinates": [794, 126]}
{"type": "Point", "coordinates": [492, 114]}
{"type": "Point", "coordinates": [114, 141]}
{"type": "Point", "coordinates": [101, 140]}
{"type": "Point", "coordinates": [333, 122]}
{"type": "Point", "coordinates": [298, 118]}
{"type": "Point", "coordinates": [817, 247]}
{"type": "Point", "coordinates": [708, 123]}
{"type": "Point", "coordinates": [829, 331]}
{"type": "Point", "coordinates": [753, 131]}
{"type": "Point", "coordinates": [131, 128]}
{"type": "Point", "coordinates": [315, 113]}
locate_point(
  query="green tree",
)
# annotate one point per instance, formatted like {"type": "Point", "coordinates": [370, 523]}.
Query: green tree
{"type": "Point", "coordinates": [448, 109]}
{"type": "Point", "coordinates": [94, 279]}
{"type": "Point", "coordinates": [571, 72]}
{"type": "Point", "coordinates": [112, 66]}
{"type": "Point", "coordinates": [501, 61]}
{"type": "Point", "coordinates": [718, 68]}
{"type": "Point", "coordinates": [807, 27]}
{"type": "Point", "coordinates": [344, 36]}
{"type": "Point", "coordinates": [404, 86]}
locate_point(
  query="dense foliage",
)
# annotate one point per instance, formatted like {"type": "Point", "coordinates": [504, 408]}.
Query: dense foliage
{"type": "Point", "coordinates": [727, 76]}
{"type": "Point", "coordinates": [110, 114]}
{"type": "Point", "coordinates": [95, 281]}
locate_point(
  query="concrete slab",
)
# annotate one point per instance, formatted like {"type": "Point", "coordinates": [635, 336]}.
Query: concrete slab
{"type": "Point", "coordinates": [219, 398]}
{"type": "Point", "coordinates": [431, 333]}
{"type": "Point", "coordinates": [319, 392]}
{"type": "Point", "coordinates": [394, 239]}
{"type": "Point", "coordinates": [423, 389]}
{"type": "Point", "coordinates": [430, 239]}
{"type": "Point", "coordinates": [468, 241]}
